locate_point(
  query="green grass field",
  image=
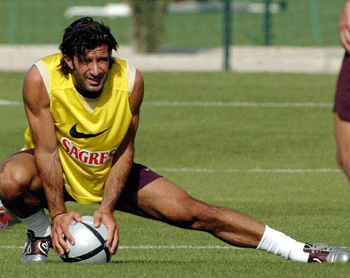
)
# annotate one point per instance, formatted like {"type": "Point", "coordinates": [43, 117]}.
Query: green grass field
{"type": "Point", "coordinates": [231, 139]}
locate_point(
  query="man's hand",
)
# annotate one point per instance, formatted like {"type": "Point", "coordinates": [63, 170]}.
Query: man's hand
{"type": "Point", "coordinates": [60, 229]}
{"type": "Point", "coordinates": [107, 218]}
{"type": "Point", "coordinates": [344, 26]}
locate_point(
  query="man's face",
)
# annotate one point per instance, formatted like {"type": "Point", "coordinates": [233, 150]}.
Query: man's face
{"type": "Point", "coordinates": [90, 72]}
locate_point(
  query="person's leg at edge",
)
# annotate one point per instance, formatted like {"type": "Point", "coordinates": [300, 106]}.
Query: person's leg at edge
{"type": "Point", "coordinates": [342, 136]}
{"type": "Point", "coordinates": [342, 116]}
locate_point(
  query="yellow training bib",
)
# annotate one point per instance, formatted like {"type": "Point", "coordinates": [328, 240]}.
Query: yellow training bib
{"type": "Point", "coordinates": [87, 138]}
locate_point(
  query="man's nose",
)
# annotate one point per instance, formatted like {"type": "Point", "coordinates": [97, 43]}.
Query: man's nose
{"type": "Point", "coordinates": [94, 68]}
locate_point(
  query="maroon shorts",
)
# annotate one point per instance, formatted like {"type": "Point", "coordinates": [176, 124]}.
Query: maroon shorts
{"type": "Point", "coordinates": [342, 93]}
{"type": "Point", "coordinates": [139, 177]}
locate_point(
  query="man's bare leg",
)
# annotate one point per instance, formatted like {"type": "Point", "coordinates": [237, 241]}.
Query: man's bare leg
{"type": "Point", "coordinates": [165, 201]}
{"type": "Point", "coordinates": [21, 192]}
{"type": "Point", "coordinates": [20, 186]}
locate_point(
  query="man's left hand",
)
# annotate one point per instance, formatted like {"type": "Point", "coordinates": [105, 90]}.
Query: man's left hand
{"type": "Point", "coordinates": [113, 229]}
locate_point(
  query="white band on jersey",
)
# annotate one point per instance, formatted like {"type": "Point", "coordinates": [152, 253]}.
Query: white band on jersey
{"type": "Point", "coordinates": [131, 75]}
{"type": "Point", "coordinates": [45, 74]}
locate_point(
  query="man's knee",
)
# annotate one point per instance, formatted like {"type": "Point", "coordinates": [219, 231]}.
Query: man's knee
{"type": "Point", "coordinates": [204, 217]}
{"type": "Point", "coordinates": [14, 180]}
{"type": "Point", "coordinates": [190, 214]}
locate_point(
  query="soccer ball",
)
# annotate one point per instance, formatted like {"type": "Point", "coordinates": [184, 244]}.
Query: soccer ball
{"type": "Point", "coordinates": [89, 244]}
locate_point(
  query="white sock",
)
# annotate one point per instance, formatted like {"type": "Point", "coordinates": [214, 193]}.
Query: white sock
{"type": "Point", "coordinates": [39, 223]}
{"type": "Point", "coordinates": [297, 254]}
{"type": "Point", "coordinates": [280, 244]}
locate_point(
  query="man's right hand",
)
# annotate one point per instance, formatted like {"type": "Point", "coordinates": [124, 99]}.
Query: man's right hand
{"type": "Point", "coordinates": [60, 231]}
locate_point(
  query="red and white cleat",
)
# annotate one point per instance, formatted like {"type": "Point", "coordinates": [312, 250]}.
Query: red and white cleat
{"type": "Point", "coordinates": [5, 217]}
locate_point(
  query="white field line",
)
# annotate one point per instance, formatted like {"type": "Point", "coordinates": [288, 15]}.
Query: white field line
{"type": "Point", "coordinates": [10, 103]}
{"type": "Point", "coordinates": [212, 104]}
{"type": "Point", "coordinates": [254, 170]}
{"type": "Point", "coordinates": [235, 104]}
{"type": "Point", "coordinates": [146, 247]}
{"type": "Point", "coordinates": [173, 247]}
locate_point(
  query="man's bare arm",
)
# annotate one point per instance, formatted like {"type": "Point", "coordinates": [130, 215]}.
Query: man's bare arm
{"type": "Point", "coordinates": [37, 106]}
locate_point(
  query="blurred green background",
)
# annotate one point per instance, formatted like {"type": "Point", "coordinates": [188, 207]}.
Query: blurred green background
{"type": "Point", "coordinates": [301, 23]}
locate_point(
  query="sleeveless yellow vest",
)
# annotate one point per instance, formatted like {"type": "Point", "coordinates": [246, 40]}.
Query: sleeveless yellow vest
{"type": "Point", "coordinates": [87, 139]}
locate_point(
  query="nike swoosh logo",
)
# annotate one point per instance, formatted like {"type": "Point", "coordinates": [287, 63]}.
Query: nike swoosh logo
{"type": "Point", "coordinates": [76, 134]}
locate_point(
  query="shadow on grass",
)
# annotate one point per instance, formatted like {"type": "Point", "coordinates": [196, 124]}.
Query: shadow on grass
{"type": "Point", "coordinates": [157, 261]}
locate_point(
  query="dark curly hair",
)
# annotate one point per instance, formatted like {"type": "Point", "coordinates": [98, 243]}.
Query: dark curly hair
{"type": "Point", "coordinates": [82, 35]}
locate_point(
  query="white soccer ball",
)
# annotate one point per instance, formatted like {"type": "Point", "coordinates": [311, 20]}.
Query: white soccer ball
{"type": "Point", "coordinates": [89, 244]}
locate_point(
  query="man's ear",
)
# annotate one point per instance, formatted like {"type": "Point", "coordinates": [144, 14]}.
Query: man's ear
{"type": "Point", "coordinates": [68, 61]}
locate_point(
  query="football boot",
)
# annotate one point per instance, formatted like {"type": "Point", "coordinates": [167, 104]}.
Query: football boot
{"type": "Point", "coordinates": [321, 253]}
{"type": "Point", "coordinates": [36, 249]}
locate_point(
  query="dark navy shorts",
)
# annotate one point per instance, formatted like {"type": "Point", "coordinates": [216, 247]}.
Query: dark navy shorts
{"type": "Point", "coordinates": [139, 177]}
{"type": "Point", "coordinates": [342, 93]}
